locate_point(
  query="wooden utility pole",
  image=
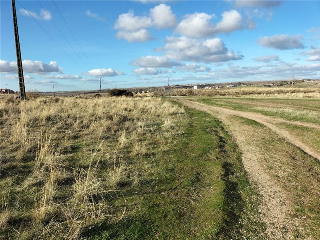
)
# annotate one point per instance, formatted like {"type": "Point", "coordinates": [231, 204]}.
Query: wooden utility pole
{"type": "Point", "coordinates": [18, 52]}
{"type": "Point", "coordinates": [100, 83]}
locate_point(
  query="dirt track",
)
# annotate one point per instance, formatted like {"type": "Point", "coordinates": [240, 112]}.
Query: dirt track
{"type": "Point", "coordinates": [265, 120]}
{"type": "Point", "coordinates": [276, 205]}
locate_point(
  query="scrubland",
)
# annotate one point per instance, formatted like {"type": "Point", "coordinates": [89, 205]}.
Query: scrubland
{"type": "Point", "coordinates": [62, 158]}
{"type": "Point", "coordinates": [120, 168]}
{"type": "Point", "coordinates": [228, 164]}
{"type": "Point", "coordinates": [299, 90]}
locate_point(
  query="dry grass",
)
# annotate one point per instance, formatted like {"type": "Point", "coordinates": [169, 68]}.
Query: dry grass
{"type": "Point", "coordinates": [61, 157]}
{"type": "Point", "coordinates": [280, 92]}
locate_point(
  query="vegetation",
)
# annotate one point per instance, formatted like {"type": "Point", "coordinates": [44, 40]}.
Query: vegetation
{"type": "Point", "coordinates": [101, 167]}
{"type": "Point", "coordinates": [108, 168]}
{"type": "Point", "coordinates": [254, 91]}
{"type": "Point", "coordinates": [276, 161]}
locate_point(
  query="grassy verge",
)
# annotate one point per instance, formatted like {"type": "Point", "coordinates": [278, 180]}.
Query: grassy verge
{"type": "Point", "coordinates": [121, 169]}
{"type": "Point", "coordinates": [203, 192]}
{"type": "Point", "coordinates": [287, 113]}
{"type": "Point", "coordinates": [295, 171]}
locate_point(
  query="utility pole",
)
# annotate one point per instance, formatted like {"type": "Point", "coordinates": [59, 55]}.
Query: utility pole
{"type": "Point", "coordinates": [169, 86]}
{"type": "Point", "coordinates": [293, 79]}
{"type": "Point", "coordinates": [100, 77]}
{"type": "Point", "coordinates": [18, 52]}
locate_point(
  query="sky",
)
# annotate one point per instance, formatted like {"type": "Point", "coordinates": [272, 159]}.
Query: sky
{"type": "Point", "coordinates": [69, 45]}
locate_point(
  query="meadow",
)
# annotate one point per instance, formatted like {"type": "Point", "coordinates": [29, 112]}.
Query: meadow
{"type": "Point", "coordinates": [197, 167]}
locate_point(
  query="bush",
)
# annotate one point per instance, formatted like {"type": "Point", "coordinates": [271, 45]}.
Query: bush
{"type": "Point", "coordinates": [120, 92]}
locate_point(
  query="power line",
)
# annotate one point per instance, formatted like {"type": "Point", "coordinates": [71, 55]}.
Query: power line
{"type": "Point", "coordinates": [72, 34]}
{"type": "Point", "coordinates": [51, 37]}
{"type": "Point", "coordinates": [61, 33]}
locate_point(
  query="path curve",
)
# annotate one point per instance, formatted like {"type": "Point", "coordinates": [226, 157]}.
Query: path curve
{"type": "Point", "coordinates": [276, 207]}
{"type": "Point", "coordinates": [265, 120]}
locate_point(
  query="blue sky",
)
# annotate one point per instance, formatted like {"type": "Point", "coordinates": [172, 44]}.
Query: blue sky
{"type": "Point", "coordinates": [142, 43]}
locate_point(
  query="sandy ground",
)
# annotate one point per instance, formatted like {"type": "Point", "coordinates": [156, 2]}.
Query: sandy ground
{"type": "Point", "coordinates": [276, 205]}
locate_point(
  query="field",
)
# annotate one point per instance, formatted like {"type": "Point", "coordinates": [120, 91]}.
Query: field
{"type": "Point", "coordinates": [219, 166]}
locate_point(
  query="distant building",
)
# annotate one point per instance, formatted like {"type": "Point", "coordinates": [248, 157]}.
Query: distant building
{"type": "Point", "coordinates": [6, 91]}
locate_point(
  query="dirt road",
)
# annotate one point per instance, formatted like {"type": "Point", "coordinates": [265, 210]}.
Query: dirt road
{"type": "Point", "coordinates": [276, 207]}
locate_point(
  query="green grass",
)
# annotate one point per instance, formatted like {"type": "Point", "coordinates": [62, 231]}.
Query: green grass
{"type": "Point", "coordinates": [294, 170]}
{"type": "Point", "coordinates": [201, 191]}
{"type": "Point", "coordinates": [150, 178]}
{"type": "Point", "coordinates": [295, 114]}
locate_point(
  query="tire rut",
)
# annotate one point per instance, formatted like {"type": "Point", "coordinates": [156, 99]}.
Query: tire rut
{"type": "Point", "coordinates": [266, 121]}
{"type": "Point", "coordinates": [276, 206]}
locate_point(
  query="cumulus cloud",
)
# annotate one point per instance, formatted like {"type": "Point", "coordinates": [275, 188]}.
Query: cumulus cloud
{"type": "Point", "coordinates": [258, 3]}
{"type": "Point", "coordinates": [282, 42]}
{"type": "Point", "coordinates": [95, 16]}
{"type": "Point", "coordinates": [199, 24]}
{"type": "Point", "coordinates": [141, 35]}
{"type": "Point", "coordinates": [44, 14]}
{"type": "Point", "coordinates": [231, 21]}
{"type": "Point", "coordinates": [134, 28]}
{"type": "Point", "coordinates": [104, 72]}
{"type": "Point", "coordinates": [154, 62]}
{"type": "Point", "coordinates": [130, 22]}
{"type": "Point", "coordinates": [196, 25]}
{"type": "Point", "coordinates": [193, 68]}
{"type": "Point", "coordinates": [194, 50]}
{"type": "Point", "coordinates": [163, 17]}
{"type": "Point", "coordinates": [29, 66]}
{"type": "Point", "coordinates": [313, 53]}
{"type": "Point", "coordinates": [146, 71]}
{"type": "Point", "coordinates": [267, 58]}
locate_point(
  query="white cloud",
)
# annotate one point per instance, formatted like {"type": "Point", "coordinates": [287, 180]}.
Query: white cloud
{"type": "Point", "coordinates": [154, 62]}
{"type": "Point", "coordinates": [199, 24]}
{"type": "Point", "coordinates": [163, 17]}
{"type": "Point", "coordinates": [130, 22]}
{"type": "Point", "coordinates": [44, 14]}
{"type": "Point", "coordinates": [63, 77]}
{"type": "Point", "coordinates": [134, 28]}
{"type": "Point", "coordinates": [104, 72]}
{"type": "Point", "coordinates": [267, 58]}
{"type": "Point", "coordinates": [95, 16]}
{"type": "Point", "coordinates": [231, 21]}
{"type": "Point", "coordinates": [278, 71]}
{"type": "Point", "coordinates": [141, 35]}
{"type": "Point", "coordinates": [46, 82]}
{"type": "Point", "coordinates": [146, 71]}
{"type": "Point", "coordinates": [196, 25]}
{"type": "Point", "coordinates": [29, 66]}
{"type": "Point", "coordinates": [258, 3]}
{"type": "Point", "coordinates": [193, 68]}
{"type": "Point", "coordinates": [282, 42]}
{"type": "Point", "coordinates": [17, 77]}
{"type": "Point", "coordinates": [313, 53]}
{"type": "Point", "coordinates": [188, 49]}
